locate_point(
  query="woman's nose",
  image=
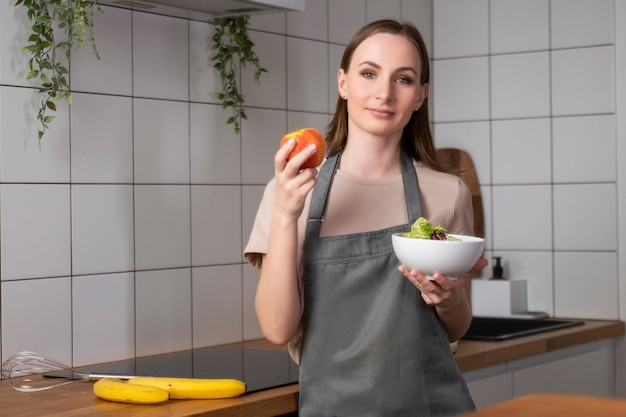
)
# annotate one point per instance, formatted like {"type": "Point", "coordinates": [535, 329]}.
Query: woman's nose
{"type": "Point", "coordinates": [384, 92]}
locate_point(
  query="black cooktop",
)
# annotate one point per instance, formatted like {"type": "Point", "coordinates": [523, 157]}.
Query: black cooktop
{"type": "Point", "coordinates": [504, 328]}
{"type": "Point", "coordinates": [258, 368]}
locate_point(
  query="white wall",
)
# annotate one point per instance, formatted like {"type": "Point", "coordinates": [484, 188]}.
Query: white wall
{"type": "Point", "coordinates": [528, 88]}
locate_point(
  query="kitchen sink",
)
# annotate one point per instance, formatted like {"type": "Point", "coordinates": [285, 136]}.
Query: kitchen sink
{"type": "Point", "coordinates": [497, 328]}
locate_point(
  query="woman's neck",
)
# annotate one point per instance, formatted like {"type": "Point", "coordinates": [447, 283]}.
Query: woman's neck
{"type": "Point", "coordinates": [366, 161]}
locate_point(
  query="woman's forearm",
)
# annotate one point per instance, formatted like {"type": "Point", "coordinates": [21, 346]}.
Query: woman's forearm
{"type": "Point", "coordinates": [456, 318]}
{"type": "Point", "coordinates": [278, 297]}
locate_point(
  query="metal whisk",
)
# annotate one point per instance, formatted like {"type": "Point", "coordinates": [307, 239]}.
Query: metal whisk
{"type": "Point", "coordinates": [30, 371]}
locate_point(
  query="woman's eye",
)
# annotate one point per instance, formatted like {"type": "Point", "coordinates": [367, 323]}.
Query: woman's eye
{"type": "Point", "coordinates": [368, 74]}
{"type": "Point", "coordinates": [404, 80]}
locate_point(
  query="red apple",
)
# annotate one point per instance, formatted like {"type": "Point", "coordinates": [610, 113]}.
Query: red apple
{"type": "Point", "coordinates": [304, 138]}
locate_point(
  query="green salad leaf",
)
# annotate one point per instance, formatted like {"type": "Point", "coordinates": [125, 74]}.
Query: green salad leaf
{"type": "Point", "coordinates": [423, 229]}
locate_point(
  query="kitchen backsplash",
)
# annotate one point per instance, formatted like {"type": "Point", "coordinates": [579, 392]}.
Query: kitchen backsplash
{"type": "Point", "coordinates": [122, 236]}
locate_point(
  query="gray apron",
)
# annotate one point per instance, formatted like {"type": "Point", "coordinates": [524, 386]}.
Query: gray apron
{"type": "Point", "coordinates": [371, 347]}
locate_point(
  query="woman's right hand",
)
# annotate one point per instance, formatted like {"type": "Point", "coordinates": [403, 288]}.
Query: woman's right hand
{"type": "Point", "coordinates": [292, 183]}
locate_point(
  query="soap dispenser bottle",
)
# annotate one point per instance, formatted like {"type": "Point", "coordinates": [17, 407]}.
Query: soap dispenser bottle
{"type": "Point", "coordinates": [497, 268]}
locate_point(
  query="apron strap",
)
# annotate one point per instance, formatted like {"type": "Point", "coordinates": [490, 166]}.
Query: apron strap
{"type": "Point", "coordinates": [411, 189]}
{"type": "Point", "coordinates": [320, 195]}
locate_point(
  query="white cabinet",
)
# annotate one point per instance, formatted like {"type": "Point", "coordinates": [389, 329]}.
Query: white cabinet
{"type": "Point", "coordinates": [492, 389]}
{"type": "Point", "coordinates": [585, 374]}
{"type": "Point", "coordinates": [587, 369]}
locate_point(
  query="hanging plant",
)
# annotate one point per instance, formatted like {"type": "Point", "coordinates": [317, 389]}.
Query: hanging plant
{"type": "Point", "coordinates": [233, 50]}
{"type": "Point", "coordinates": [75, 19]}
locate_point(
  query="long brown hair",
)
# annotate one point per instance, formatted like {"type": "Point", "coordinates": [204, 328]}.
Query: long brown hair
{"type": "Point", "coordinates": [417, 140]}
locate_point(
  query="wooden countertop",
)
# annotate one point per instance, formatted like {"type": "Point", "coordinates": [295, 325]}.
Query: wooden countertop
{"type": "Point", "coordinates": [555, 405]}
{"type": "Point", "coordinates": [473, 354]}
{"type": "Point", "coordinates": [77, 400]}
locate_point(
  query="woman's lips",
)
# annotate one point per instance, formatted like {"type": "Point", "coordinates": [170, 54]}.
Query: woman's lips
{"type": "Point", "coordinates": [381, 113]}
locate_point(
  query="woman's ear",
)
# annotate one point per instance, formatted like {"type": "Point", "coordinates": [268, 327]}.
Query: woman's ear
{"type": "Point", "coordinates": [341, 84]}
{"type": "Point", "coordinates": [422, 95]}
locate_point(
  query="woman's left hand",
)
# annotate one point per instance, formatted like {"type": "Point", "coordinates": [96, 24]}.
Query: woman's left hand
{"type": "Point", "coordinates": [441, 292]}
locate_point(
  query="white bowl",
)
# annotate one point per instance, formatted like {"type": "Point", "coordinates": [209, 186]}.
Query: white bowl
{"type": "Point", "coordinates": [448, 257]}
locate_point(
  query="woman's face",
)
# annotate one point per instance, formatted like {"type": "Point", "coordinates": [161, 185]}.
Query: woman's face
{"type": "Point", "coordinates": [382, 85]}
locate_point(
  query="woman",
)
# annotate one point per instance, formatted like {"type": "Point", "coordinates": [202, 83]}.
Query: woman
{"type": "Point", "coordinates": [371, 337]}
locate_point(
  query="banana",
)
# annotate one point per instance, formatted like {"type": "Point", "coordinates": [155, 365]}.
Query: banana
{"type": "Point", "coordinates": [116, 390]}
{"type": "Point", "coordinates": [198, 389]}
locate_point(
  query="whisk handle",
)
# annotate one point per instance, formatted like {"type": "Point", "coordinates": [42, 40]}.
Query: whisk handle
{"type": "Point", "coordinates": [94, 377]}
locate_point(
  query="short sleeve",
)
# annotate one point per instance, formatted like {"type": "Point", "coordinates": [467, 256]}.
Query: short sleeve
{"type": "Point", "coordinates": [257, 242]}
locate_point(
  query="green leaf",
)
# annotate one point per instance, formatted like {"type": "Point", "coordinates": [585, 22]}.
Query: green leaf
{"type": "Point", "coordinates": [70, 18]}
{"type": "Point", "coordinates": [234, 50]}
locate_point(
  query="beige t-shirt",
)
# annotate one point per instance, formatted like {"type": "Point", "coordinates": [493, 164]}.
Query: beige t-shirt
{"type": "Point", "coordinates": [357, 205]}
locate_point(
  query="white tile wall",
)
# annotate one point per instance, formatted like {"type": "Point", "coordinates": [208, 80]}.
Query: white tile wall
{"type": "Point", "coordinates": [121, 204]}
{"type": "Point", "coordinates": [102, 151]}
{"type": "Point", "coordinates": [583, 81]}
{"type": "Point", "coordinates": [461, 28]}
{"type": "Point", "coordinates": [161, 141]}
{"type": "Point", "coordinates": [217, 305]}
{"type": "Point", "coordinates": [518, 26]}
{"type": "Point", "coordinates": [35, 230]}
{"type": "Point", "coordinates": [105, 211]}
{"type": "Point", "coordinates": [30, 160]}
{"type": "Point", "coordinates": [36, 316]}
{"type": "Point", "coordinates": [109, 301]}
{"type": "Point", "coordinates": [203, 80]}
{"type": "Point", "coordinates": [389, 9]}
{"type": "Point", "coordinates": [160, 57]}
{"type": "Point", "coordinates": [573, 271]}
{"type": "Point", "coordinates": [522, 217]}
{"type": "Point", "coordinates": [113, 68]}
{"type": "Point", "coordinates": [344, 18]}
{"type": "Point", "coordinates": [215, 224]}
{"type": "Point", "coordinates": [461, 89]}
{"type": "Point", "coordinates": [163, 311]}
{"type": "Point", "coordinates": [162, 226]}
{"type": "Point", "coordinates": [579, 159]}
{"type": "Point", "coordinates": [551, 140]}
{"type": "Point", "coordinates": [519, 144]}
{"type": "Point", "coordinates": [525, 77]}
{"type": "Point", "coordinates": [582, 206]}
{"type": "Point", "coordinates": [271, 90]}
{"type": "Point", "coordinates": [306, 71]}
{"type": "Point", "coordinates": [581, 22]}
{"type": "Point", "coordinates": [310, 24]}
{"type": "Point", "coordinates": [215, 149]}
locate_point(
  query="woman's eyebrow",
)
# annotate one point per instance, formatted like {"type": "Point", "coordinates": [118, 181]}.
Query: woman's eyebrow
{"type": "Point", "coordinates": [375, 65]}
{"type": "Point", "coordinates": [370, 63]}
